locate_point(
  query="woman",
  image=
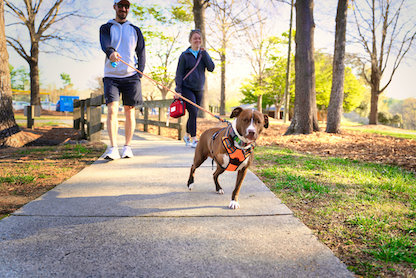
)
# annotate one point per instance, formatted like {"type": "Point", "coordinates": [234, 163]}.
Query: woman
{"type": "Point", "coordinates": [190, 80]}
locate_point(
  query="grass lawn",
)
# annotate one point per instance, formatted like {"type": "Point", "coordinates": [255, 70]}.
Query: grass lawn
{"type": "Point", "coordinates": [365, 212]}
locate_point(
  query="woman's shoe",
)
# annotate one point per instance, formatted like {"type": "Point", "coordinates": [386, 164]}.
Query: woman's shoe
{"type": "Point", "coordinates": [187, 140]}
{"type": "Point", "coordinates": [194, 143]}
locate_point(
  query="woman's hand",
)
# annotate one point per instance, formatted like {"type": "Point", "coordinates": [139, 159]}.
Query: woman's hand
{"type": "Point", "coordinates": [177, 95]}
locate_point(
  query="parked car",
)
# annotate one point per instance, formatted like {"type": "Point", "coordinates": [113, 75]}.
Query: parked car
{"type": "Point", "coordinates": [47, 105]}
{"type": "Point", "coordinates": [19, 105]}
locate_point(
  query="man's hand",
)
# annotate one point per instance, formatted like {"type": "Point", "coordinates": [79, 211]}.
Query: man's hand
{"type": "Point", "coordinates": [115, 57]}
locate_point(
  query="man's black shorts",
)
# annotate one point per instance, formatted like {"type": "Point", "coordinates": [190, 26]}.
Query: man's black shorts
{"type": "Point", "coordinates": [129, 87]}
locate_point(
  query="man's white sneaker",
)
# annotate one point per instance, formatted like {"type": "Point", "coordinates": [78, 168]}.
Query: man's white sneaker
{"type": "Point", "coordinates": [127, 153]}
{"type": "Point", "coordinates": [112, 154]}
{"type": "Point", "coordinates": [194, 143]}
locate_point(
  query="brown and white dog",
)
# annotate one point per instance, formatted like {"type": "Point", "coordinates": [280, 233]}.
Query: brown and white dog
{"type": "Point", "coordinates": [231, 148]}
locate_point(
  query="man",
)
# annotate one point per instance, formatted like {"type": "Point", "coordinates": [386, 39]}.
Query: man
{"type": "Point", "coordinates": [121, 40]}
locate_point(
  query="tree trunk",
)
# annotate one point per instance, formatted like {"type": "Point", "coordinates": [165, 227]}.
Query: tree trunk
{"type": "Point", "coordinates": [199, 19]}
{"type": "Point", "coordinates": [260, 97]}
{"type": "Point", "coordinates": [260, 103]}
{"type": "Point", "coordinates": [373, 118]}
{"type": "Point", "coordinates": [223, 70]}
{"type": "Point", "coordinates": [34, 75]}
{"type": "Point", "coordinates": [338, 70]}
{"type": "Point", "coordinates": [9, 130]}
{"type": "Point", "coordinates": [305, 119]}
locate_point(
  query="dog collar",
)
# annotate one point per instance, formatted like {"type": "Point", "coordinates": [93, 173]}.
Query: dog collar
{"type": "Point", "coordinates": [239, 141]}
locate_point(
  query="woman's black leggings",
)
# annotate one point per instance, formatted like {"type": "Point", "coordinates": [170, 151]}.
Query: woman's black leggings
{"type": "Point", "coordinates": [196, 97]}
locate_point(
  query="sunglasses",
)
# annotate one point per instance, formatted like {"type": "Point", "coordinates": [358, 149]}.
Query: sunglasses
{"type": "Point", "coordinates": [120, 6]}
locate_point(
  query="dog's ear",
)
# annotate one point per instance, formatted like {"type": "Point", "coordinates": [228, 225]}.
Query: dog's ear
{"type": "Point", "coordinates": [266, 121]}
{"type": "Point", "coordinates": [236, 112]}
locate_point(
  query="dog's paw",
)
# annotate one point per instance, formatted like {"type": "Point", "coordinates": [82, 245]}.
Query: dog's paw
{"type": "Point", "coordinates": [190, 186]}
{"type": "Point", "coordinates": [234, 205]}
{"type": "Point", "coordinates": [221, 192]}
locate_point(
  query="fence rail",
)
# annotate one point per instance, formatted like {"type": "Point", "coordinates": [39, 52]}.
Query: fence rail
{"type": "Point", "coordinates": [87, 117]}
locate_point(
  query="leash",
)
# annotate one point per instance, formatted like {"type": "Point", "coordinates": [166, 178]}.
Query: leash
{"type": "Point", "coordinates": [175, 93]}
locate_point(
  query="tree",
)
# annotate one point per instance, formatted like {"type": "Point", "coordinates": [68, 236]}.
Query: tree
{"type": "Point", "coordinates": [337, 90]}
{"type": "Point", "coordinates": [19, 78]}
{"type": "Point", "coordinates": [227, 23]}
{"type": "Point", "coordinates": [162, 40]}
{"type": "Point", "coordinates": [198, 10]}
{"type": "Point", "coordinates": [409, 113]}
{"type": "Point", "coordinates": [353, 89]}
{"type": "Point", "coordinates": [43, 30]}
{"type": "Point", "coordinates": [305, 119]}
{"type": "Point", "coordinates": [10, 133]}
{"type": "Point", "coordinates": [259, 44]}
{"type": "Point", "coordinates": [384, 35]}
{"type": "Point", "coordinates": [274, 83]}
{"type": "Point", "coordinates": [66, 79]}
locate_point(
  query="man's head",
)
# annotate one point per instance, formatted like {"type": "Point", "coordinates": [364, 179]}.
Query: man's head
{"type": "Point", "coordinates": [122, 9]}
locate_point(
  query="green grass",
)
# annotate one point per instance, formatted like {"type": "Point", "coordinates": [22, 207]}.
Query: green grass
{"type": "Point", "coordinates": [17, 179]}
{"type": "Point", "coordinates": [74, 151]}
{"type": "Point", "coordinates": [369, 209]}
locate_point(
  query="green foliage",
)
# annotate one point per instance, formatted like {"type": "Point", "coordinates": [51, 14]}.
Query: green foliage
{"type": "Point", "coordinates": [273, 85]}
{"type": "Point", "coordinates": [19, 77]}
{"type": "Point", "coordinates": [409, 113]}
{"type": "Point", "coordinates": [162, 31]}
{"type": "Point", "coordinates": [353, 89]}
{"type": "Point", "coordinates": [66, 79]}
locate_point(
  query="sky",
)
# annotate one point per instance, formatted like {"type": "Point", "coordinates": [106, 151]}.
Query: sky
{"type": "Point", "coordinates": [84, 73]}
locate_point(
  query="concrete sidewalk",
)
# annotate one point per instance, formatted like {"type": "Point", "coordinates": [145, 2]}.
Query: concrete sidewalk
{"type": "Point", "coordinates": [136, 218]}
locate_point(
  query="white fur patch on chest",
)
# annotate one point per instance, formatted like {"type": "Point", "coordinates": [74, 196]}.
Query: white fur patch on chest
{"type": "Point", "coordinates": [243, 164]}
{"type": "Point", "coordinates": [225, 160]}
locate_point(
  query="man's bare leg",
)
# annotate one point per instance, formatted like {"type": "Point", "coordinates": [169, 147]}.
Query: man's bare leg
{"type": "Point", "coordinates": [112, 122]}
{"type": "Point", "coordinates": [130, 123]}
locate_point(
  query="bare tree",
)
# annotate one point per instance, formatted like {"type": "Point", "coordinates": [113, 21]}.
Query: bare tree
{"type": "Point", "coordinates": [199, 19]}
{"type": "Point", "coordinates": [229, 16]}
{"type": "Point", "coordinates": [259, 45]}
{"type": "Point", "coordinates": [384, 35]}
{"type": "Point", "coordinates": [45, 26]}
{"type": "Point", "coordinates": [305, 117]}
{"type": "Point", "coordinates": [338, 70]}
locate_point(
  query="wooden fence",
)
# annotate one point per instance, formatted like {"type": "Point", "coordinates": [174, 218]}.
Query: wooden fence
{"type": "Point", "coordinates": [87, 117]}
{"type": "Point", "coordinates": [161, 106]}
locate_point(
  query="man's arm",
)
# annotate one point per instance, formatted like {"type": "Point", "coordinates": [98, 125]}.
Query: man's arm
{"type": "Point", "coordinates": [140, 50]}
{"type": "Point", "coordinates": [105, 39]}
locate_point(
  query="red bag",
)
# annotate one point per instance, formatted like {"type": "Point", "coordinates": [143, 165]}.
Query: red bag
{"type": "Point", "coordinates": [177, 108]}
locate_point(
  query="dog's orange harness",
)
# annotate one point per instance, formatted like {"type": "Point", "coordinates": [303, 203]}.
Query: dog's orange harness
{"type": "Point", "coordinates": [237, 156]}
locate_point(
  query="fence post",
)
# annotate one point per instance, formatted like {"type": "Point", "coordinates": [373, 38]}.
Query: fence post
{"type": "Point", "coordinates": [159, 117]}
{"type": "Point", "coordinates": [30, 114]}
{"type": "Point", "coordinates": [146, 119]}
{"type": "Point", "coordinates": [182, 128]}
{"type": "Point", "coordinates": [82, 119]}
{"type": "Point", "coordinates": [94, 125]}
{"type": "Point", "coordinates": [77, 114]}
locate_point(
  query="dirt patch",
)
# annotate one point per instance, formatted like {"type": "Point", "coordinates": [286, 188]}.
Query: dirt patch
{"type": "Point", "coordinates": [46, 161]}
